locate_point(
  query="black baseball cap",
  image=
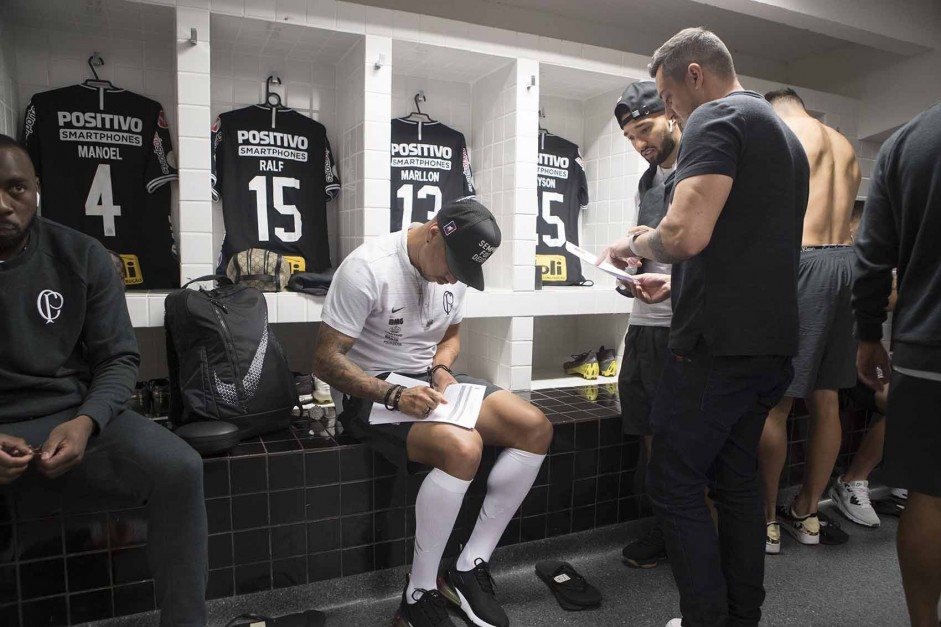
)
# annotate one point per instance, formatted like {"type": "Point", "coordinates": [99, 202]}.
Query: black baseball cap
{"type": "Point", "coordinates": [471, 235]}
{"type": "Point", "coordinates": [639, 99]}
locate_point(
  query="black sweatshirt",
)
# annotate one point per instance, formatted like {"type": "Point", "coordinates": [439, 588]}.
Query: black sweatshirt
{"type": "Point", "coordinates": [901, 227]}
{"type": "Point", "coordinates": [65, 335]}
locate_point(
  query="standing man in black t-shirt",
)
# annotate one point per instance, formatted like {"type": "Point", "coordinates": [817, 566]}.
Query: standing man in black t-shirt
{"type": "Point", "coordinates": [900, 229]}
{"type": "Point", "coordinates": [732, 232]}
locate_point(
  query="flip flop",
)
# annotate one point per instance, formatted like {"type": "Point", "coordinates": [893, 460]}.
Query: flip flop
{"type": "Point", "coordinates": [570, 589]}
{"type": "Point", "coordinates": [888, 507]}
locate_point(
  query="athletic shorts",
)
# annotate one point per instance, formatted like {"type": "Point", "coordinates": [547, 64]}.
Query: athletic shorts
{"type": "Point", "coordinates": [390, 439]}
{"type": "Point", "coordinates": [861, 397]}
{"type": "Point", "coordinates": [645, 352]}
{"type": "Point", "coordinates": [913, 435]}
{"type": "Point", "coordinates": [826, 351]}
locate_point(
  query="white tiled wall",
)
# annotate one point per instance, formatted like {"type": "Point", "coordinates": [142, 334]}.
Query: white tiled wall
{"type": "Point", "coordinates": [9, 114]}
{"type": "Point", "coordinates": [476, 79]}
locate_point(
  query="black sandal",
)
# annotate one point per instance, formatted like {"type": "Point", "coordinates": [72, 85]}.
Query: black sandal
{"type": "Point", "coordinates": [570, 589]}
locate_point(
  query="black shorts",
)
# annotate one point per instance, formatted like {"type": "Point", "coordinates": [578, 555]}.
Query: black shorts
{"type": "Point", "coordinates": [861, 397]}
{"type": "Point", "coordinates": [826, 350]}
{"type": "Point", "coordinates": [390, 439]}
{"type": "Point", "coordinates": [913, 435]}
{"type": "Point", "coordinates": [645, 352]}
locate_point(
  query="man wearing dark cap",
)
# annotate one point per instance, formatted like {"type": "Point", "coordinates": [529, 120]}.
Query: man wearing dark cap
{"type": "Point", "coordinates": [395, 305]}
{"type": "Point", "coordinates": [640, 114]}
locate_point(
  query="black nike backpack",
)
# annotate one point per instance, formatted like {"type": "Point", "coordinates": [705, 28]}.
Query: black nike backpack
{"type": "Point", "coordinates": [225, 362]}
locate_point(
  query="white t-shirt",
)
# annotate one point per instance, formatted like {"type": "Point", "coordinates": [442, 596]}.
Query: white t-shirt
{"type": "Point", "coordinates": [397, 317]}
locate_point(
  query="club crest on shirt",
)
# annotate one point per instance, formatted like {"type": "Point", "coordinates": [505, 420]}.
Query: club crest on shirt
{"type": "Point", "coordinates": [448, 301]}
{"type": "Point", "coordinates": [49, 304]}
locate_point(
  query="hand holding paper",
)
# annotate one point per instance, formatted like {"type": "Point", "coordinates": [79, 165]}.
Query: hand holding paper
{"type": "Point", "coordinates": [600, 263]}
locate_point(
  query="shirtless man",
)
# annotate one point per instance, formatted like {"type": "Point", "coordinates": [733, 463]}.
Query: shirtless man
{"type": "Point", "coordinates": [827, 349]}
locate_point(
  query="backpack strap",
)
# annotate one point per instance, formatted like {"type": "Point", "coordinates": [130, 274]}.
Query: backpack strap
{"type": "Point", "coordinates": [221, 278]}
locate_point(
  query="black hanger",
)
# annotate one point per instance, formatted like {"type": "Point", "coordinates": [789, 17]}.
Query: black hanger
{"type": "Point", "coordinates": [272, 98]}
{"type": "Point", "coordinates": [94, 61]}
{"type": "Point", "coordinates": [417, 115]}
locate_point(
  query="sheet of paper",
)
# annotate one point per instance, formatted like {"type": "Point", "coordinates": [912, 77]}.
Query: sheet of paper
{"type": "Point", "coordinates": [584, 255]}
{"type": "Point", "coordinates": [462, 408]}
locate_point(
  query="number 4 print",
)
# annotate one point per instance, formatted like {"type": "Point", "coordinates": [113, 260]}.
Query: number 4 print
{"type": "Point", "coordinates": [100, 200]}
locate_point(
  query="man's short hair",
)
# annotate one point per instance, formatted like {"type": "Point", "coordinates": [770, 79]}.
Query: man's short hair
{"type": "Point", "coordinates": [785, 94]}
{"type": "Point", "coordinates": [692, 45]}
{"type": "Point", "coordinates": [8, 142]}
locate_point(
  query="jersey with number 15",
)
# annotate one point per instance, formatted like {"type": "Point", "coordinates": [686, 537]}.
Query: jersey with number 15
{"type": "Point", "coordinates": [101, 154]}
{"type": "Point", "coordinates": [274, 172]}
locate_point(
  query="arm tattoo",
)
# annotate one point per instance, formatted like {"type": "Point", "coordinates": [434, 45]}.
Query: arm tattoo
{"type": "Point", "coordinates": [332, 366]}
{"type": "Point", "coordinates": [655, 241]}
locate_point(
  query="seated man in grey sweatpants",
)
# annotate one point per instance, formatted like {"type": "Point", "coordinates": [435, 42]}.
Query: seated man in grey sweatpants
{"type": "Point", "coordinates": [69, 363]}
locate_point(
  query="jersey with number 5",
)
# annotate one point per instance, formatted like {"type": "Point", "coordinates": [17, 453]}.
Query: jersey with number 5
{"type": "Point", "coordinates": [274, 172]}
{"type": "Point", "coordinates": [562, 195]}
{"type": "Point", "coordinates": [429, 167]}
{"type": "Point", "coordinates": [101, 155]}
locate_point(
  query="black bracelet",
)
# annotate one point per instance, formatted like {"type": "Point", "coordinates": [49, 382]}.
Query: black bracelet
{"type": "Point", "coordinates": [431, 371]}
{"type": "Point", "coordinates": [385, 400]}
{"type": "Point", "coordinates": [398, 397]}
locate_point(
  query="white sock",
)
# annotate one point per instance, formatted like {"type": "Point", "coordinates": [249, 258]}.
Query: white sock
{"type": "Point", "coordinates": [436, 508]}
{"type": "Point", "coordinates": [509, 483]}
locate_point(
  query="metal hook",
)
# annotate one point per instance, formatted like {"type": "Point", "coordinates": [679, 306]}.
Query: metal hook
{"type": "Point", "coordinates": [94, 61]}
{"type": "Point", "coordinates": [420, 97]}
{"type": "Point", "coordinates": [380, 61]}
{"type": "Point", "coordinates": [542, 113]}
{"type": "Point", "coordinates": [193, 38]}
{"type": "Point", "coordinates": [532, 81]}
{"type": "Point", "coordinates": [272, 79]}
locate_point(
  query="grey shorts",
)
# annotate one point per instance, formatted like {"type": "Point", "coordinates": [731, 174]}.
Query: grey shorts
{"type": "Point", "coordinates": [826, 352]}
{"type": "Point", "coordinates": [391, 440]}
{"type": "Point", "coordinates": [645, 351]}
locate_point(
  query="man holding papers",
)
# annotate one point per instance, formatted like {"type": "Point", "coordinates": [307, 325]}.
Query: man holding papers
{"type": "Point", "coordinates": [395, 306]}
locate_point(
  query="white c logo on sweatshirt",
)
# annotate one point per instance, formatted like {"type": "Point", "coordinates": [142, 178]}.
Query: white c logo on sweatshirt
{"type": "Point", "coordinates": [49, 304]}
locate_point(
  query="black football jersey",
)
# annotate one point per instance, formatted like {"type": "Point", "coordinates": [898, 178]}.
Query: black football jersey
{"type": "Point", "coordinates": [562, 194]}
{"type": "Point", "coordinates": [429, 168]}
{"type": "Point", "coordinates": [273, 169]}
{"type": "Point", "coordinates": [103, 156]}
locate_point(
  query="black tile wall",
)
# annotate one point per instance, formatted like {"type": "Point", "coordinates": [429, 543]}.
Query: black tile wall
{"type": "Point", "coordinates": [288, 509]}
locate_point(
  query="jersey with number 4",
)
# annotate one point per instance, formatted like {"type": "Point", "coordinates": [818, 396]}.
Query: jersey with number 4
{"type": "Point", "coordinates": [562, 194]}
{"type": "Point", "coordinates": [274, 172]}
{"type": "Point", "coordinates": [102, 156]}
{"type": "Point", "coordinates": [429, 167]}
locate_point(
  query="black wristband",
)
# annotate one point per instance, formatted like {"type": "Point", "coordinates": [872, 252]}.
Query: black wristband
{"type": "Point", "coordinates": [431, 371]}
{"type": "Point", "coordinates": [398, 397]}
{"type": "Point", "coordinates": [385, 400]}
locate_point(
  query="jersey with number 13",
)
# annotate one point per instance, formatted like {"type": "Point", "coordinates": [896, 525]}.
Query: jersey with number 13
{"type": "Point", "coordinates": [101, 154]}
{"type": "Point", "coordinates": [273, 169]}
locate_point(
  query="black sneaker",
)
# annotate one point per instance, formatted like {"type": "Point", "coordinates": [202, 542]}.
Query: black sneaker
{"type": "Point", "coordinates": [473, 592]}
{"type": "Point", "coordinates": [429, 610]}
{"type": "Point", "coordinates": [646, 552]}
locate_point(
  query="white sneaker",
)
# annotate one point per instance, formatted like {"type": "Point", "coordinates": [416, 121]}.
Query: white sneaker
{"type": "Point", "coordinates": [852, 499]}
{"type": "Point", "coordinates": [773, 539]}
{"type": "Point", "coordinates": [805, 530]}
{"type": "Point", "coordinates": [899, 493]}
{"type": "Point", "coordinates": [676, 622]}
{"type": "Point", "coordinates": [321, 391]}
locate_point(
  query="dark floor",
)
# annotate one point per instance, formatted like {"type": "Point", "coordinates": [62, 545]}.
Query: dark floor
{"type": "Point", "coordinates": [854, 585]}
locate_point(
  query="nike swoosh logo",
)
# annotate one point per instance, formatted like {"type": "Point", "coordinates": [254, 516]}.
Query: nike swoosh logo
{"type": "Point", "coordinates": [229, 391]}
{"type": "Point", "coordinates": [398, 310]}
